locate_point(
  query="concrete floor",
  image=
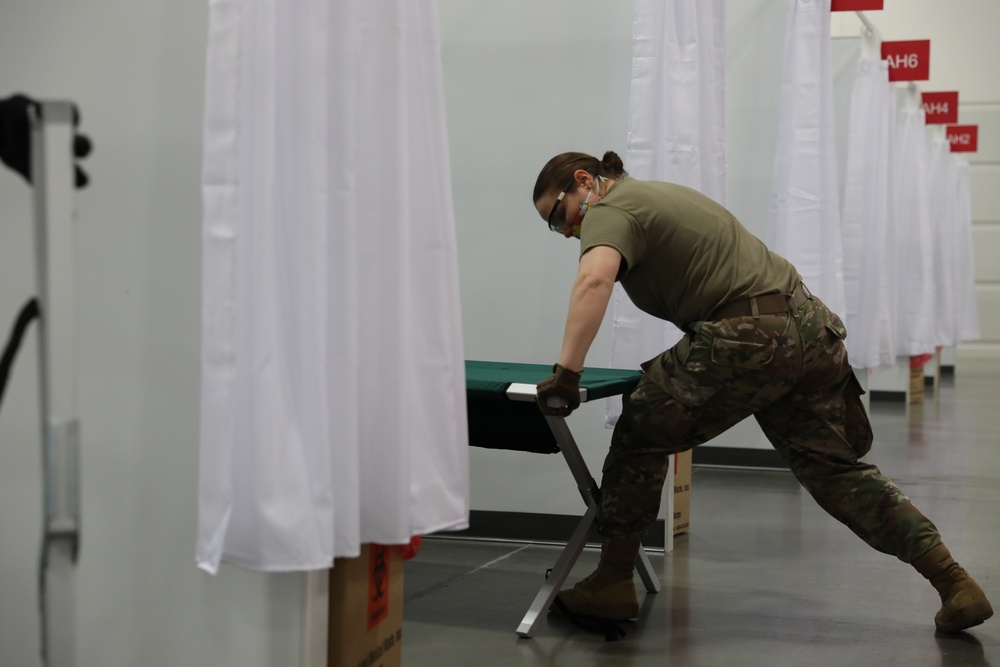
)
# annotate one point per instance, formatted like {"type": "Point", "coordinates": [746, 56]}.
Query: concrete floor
{"type": "Point", "coordinates": [764, 578]}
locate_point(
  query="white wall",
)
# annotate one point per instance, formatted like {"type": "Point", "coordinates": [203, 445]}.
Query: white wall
{"type": "Point", "coordinates": [984, 175]}
{"type": "Point", "coordinates": [524, 80]}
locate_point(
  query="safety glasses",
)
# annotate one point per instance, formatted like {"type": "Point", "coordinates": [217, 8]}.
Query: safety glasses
{"type": "Point", "coordinates": [556, 224]}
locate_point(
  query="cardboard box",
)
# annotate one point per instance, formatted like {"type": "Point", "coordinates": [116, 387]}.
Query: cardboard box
{"type": "Point", "coordinates": [366, 609]}
{"type": "Point", "coordinates": [682, 492]}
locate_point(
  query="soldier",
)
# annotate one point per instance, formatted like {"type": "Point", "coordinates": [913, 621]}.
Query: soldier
{"type": "Point", "coordinates": [757, 343]}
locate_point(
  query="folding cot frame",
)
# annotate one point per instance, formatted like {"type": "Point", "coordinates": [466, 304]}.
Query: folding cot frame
{"type": "Point", "coordinates": [587, 486]}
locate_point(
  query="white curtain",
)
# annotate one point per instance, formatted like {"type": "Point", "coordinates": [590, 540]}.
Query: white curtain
{"type": "Point", "coordinates": [915, 259]}
{"type": "Point", "coordinates": [867, 221]}
{"type": "Point", "coordinates": [333, 392]}
{"type": "Point", "coordinates": [967, 315]}
{"type": "Point", "coordinates": [805, 208]}
{"type": "Point", "coordinates": [677, 133]}
{"type": "Point", "coordinates": [942, 182]}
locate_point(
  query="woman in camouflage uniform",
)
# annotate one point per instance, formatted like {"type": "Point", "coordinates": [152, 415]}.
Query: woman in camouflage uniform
{"type": "Point", "coordinates": [757, 343]}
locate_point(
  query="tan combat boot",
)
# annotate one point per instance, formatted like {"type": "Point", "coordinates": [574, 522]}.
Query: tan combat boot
{"type": "Point", "coordinates": [964, 603]}
{"type": "Point", "coordinates": [609, 591]}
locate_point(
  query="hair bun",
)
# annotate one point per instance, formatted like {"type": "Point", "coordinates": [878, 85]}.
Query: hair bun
{"type": "Point", "coordinates": [612, 165]}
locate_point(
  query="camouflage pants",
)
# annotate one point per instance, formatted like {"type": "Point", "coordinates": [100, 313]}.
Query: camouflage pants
{"type": "Point", "coordinates": [790, 372]}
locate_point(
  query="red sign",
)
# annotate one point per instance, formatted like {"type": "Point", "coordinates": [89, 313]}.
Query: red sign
{"type": "Point", "coordinates": [908, 61]}
{"type": "Point", "coordinates": [855, 5]}
{"type": "Point", "coordinates": [963, 138]}
{"type": "Point", "coordinates": [941, 108]}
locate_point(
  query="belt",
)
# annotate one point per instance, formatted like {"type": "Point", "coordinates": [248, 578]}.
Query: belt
{"type": "Point", "coordinates": [765, 304]}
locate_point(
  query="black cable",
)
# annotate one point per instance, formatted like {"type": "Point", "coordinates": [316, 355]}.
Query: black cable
{"type": "Point", "coordinates": [28, 313]}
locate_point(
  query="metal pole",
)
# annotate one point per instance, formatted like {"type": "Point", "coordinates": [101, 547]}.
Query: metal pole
{"type": "Point", "coordinates": [868, 24]}
{"type": "Point", "coordinates": [52, 175]}
{"type": "Point", "coordinates": [872, 30]}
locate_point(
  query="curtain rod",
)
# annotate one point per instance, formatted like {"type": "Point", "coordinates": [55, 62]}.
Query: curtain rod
{"type": "Point", "coordinates": [869, 25]}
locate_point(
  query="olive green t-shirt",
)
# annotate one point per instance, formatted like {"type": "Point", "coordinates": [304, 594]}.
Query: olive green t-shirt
{"type": "Point", "coordinates": [686, 255]}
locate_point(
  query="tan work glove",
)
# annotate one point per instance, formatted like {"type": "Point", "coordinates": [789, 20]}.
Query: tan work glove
{"type": "Point", "coordinates": [559, 394]}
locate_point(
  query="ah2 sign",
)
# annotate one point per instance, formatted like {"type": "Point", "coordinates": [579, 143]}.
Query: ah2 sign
{"type": "Point", "coordinates": [963, 138]}
{"type": "Point", "coordinates": [909, 60]}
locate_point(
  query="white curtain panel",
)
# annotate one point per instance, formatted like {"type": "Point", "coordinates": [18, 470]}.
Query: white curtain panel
{"type": "Point", "coordinates": [805, 225]}
{"type": "Point", "coordinates": [677, 133]}
{"type": "Point", "coordinates": [941, 184]}
{"type": "Point", "coordinates": [967, 315]}
{"type": "Point", "coordinates": [867, 218]}
{"type": "Point", "coordinates": [333, 391]}
{"type": "Point", "coordinates": [915, 258]}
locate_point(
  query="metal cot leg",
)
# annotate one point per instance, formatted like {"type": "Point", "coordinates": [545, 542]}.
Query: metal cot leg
{"type": "Point", "coordinates": [589, 491]}
{"type": "Point", "coordinates": [547, 593]}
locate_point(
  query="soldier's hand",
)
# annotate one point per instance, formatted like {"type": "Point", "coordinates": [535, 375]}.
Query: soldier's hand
{"type": "Point", "coordinates": [559, 394]}
{"type": "Point", "coordinates": [15, 137]}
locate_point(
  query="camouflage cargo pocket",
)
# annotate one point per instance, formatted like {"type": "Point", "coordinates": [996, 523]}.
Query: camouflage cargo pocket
{"type": "Point", "coordinates": [682, 350]}
{"type": "Point", "coordinates": [836, 326]}
{"type": "Point", "coordinates": [742, 354]}
{"type": "Point", "coordinates": [681, 373]}
{"type": "Point", "coordinates": [857, 427]}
